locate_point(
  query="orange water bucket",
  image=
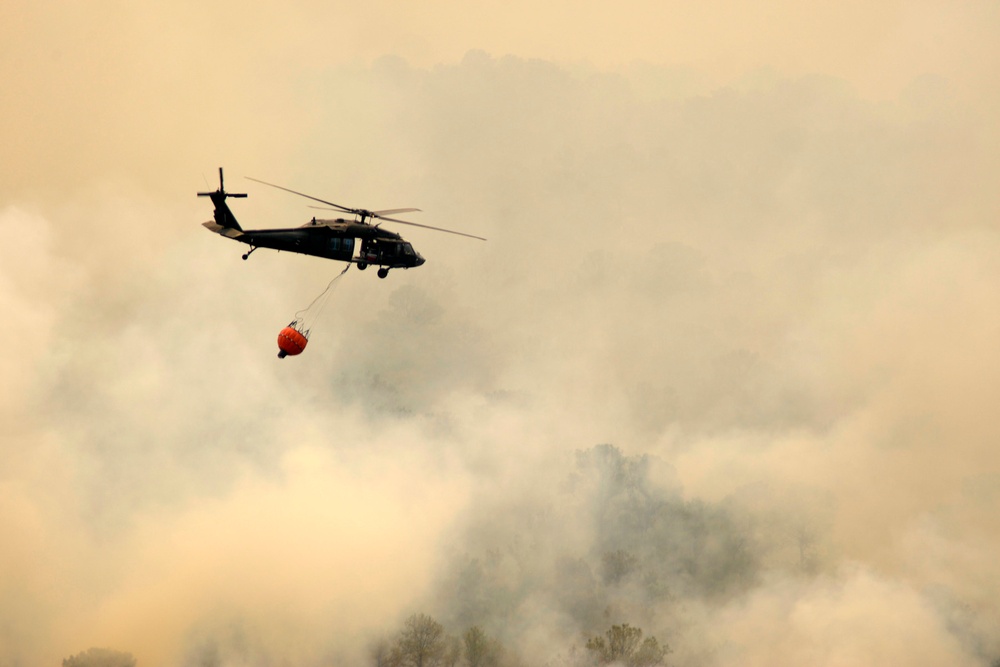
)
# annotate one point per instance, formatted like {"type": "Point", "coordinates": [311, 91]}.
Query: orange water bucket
{"type": "Point", "coordinates": [291, 341]}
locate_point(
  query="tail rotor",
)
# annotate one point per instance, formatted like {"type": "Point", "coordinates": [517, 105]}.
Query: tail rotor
{"type": "Point", "coordinates": [221, 192]}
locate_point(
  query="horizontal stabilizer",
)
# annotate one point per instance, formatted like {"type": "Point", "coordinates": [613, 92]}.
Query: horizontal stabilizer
{"type": "Point", "coordinates": [229, 232]}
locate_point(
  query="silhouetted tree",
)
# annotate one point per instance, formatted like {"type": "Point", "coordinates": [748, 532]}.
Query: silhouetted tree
{"type": "Point", "coordinates": [623, 644]}
{"type": "Point", "coordinates": [422, 642]}
{"type": "Point", "coordinates": [385, 653]}
{"type": "Point", "coordinates": [100, 657]}
{"type": "Point", "coordinates": [481, 650]}
{"type": "Point", "coordinates": [622, 641]}
{"type": "Point", "coordinates": [649, 654]}
{"type": "Point", "coordinates": [452, 651]}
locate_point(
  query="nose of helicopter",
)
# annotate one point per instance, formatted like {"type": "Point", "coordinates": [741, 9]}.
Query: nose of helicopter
{"type": "Point", "coordinates": [420, 260]}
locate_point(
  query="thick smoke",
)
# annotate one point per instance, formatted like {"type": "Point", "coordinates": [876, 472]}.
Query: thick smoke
{"type": "Point", "coordinates": [775, 299]}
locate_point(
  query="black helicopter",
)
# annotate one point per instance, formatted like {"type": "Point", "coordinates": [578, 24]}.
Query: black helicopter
{"type": "Point", "coordinates": [332, 239]}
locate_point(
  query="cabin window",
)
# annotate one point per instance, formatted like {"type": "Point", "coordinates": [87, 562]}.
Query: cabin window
{"type": "Point", "coordinates": [337, 244]}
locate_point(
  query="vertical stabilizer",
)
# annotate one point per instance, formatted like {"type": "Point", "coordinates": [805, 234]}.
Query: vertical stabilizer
{"type": "Point", "coordinates": [223, 216]}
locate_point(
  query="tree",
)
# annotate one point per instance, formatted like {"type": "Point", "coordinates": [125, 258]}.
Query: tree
{"type": "Point", "coordinates": [480, 649]}
{"type": "Point", "coordinates": [422, 642]}
{"type": "Point", "coordinates": [622, 641]}
{"type": "Point", "coordinates": [649, 654]}
{"type": "Point", "coordinates": [100, 657]}
{"type": "Point", "coordinates": [385, 653]}
{"type": "Point", "coordinates": [624, 645]}
{"type": "Point", "coordinates": [452, 651]}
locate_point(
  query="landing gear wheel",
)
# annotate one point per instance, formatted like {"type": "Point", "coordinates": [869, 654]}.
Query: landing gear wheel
{"type": "Point", "coordinates": [362, 266]}
{"type": "Point", "coordinates": [249, 252]}
{"type": "Point", "coordinates": [382, 273]}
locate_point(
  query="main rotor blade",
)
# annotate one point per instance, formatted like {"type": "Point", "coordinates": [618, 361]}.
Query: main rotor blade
{"type": "Point", "coordinates": [374, 214]}
{"type": "Point", "coordinates": [394, 211]}
{"type": "Point", "coordinates": [439, 229]}
{"type": "Point", "coordinates": [377, 214]}
{"type": "Point", "coordinates": [321, 201]}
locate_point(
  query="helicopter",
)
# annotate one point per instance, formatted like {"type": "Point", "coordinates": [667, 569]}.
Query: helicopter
{"type": "Point", "coordinates": [331, 239]}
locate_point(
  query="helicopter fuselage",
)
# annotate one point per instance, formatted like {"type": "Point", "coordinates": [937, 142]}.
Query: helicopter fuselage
{"type": "Point", "coordinates": [332, 239]}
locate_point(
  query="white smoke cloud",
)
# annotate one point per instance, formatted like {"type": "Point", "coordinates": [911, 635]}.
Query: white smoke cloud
{"type": "Point", "coordinates": [780, 289]}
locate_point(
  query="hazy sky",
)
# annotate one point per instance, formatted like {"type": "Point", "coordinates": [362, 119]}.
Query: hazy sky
{"type": "Point", "coordinates": [756, 241]}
